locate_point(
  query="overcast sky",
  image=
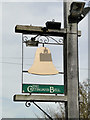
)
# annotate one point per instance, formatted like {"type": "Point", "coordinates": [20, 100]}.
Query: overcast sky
{"type": "Point", "coordinates": [35, 13]}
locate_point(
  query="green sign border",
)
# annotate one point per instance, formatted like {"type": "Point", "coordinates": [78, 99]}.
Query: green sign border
{"type": "Point", "coordinates": [43, 88]}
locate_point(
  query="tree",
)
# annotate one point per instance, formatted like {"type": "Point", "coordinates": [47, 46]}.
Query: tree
{"type": "Point", "coordinates": [83, 95]}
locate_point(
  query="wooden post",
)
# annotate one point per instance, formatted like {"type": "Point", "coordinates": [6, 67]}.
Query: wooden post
{"type": "Point", "coordinates": [71, 77]}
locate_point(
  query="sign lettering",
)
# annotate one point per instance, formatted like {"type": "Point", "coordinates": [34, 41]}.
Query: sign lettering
{"type": "Point", "coordinates": [39, 88]}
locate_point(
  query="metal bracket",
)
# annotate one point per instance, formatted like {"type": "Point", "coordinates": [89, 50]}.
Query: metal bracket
{"type": "Point", "coordinates": [34, 41]}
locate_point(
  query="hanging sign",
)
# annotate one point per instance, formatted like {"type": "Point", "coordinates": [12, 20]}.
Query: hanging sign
{"type": "Point", "coordinates": [39, 88]}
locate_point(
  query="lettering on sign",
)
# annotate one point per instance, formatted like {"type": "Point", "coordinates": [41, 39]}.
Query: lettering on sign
{"type": "Point", "coordinates": [50, 89]}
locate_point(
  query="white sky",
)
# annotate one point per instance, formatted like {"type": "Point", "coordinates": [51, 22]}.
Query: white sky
{"type": "Point", "coordinates": [35, 13]}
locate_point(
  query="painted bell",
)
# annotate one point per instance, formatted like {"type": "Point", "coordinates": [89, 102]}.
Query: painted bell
{"type": "Point", "coordinates": [43, 63]}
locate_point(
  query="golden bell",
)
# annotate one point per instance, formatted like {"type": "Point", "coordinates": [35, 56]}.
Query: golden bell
{"type": "Point", "coordinates": [43, 63]}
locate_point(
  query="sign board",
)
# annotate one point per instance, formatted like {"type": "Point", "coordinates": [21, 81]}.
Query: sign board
{"type": "Point", "coordinates": [39, 88]}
